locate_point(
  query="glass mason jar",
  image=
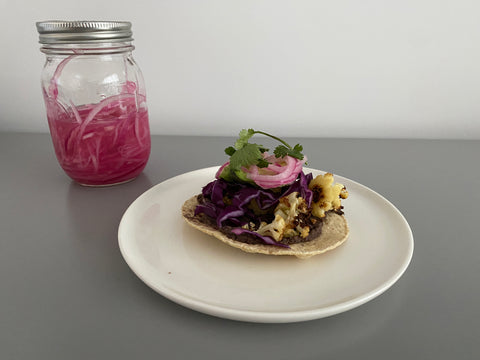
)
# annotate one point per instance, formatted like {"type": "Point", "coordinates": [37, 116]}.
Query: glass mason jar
{"type": "Point", "coordinates": [95, 100]}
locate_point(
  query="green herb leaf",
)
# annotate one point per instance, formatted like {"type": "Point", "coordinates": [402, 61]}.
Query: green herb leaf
{"type": "Point", "coordinates": [249, 154]}
{"type": "Point", "coordinates": [297, 152]}
{"type": "Point", "coordinates": [282, 151]}
{"type": "Point", "coordinates": [262, 163]}
{"type": "Point", "coordinates": [245, 154]}
{"type": "Point", "coordinates": [243, 138]}
{"type": "Point", "coordinates": [230, 150]}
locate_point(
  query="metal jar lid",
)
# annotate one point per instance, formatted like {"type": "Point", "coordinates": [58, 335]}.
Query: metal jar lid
{"type": "Point", "coordinates": [61, 32]}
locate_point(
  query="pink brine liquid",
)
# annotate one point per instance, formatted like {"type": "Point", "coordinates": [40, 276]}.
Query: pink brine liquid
{"type": "Point", "coordinates": [101, 144]}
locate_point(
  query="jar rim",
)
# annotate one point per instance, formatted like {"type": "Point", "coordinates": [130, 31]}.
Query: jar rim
{"type": "Point", "coordinates": [83, 31]}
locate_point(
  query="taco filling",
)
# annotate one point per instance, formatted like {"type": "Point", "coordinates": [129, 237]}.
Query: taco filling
{"type": "Point", "coordinates": [262, 200]}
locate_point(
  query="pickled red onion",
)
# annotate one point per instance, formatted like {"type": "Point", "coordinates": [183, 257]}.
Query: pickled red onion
{"type": "Point", "coordinates": [109, 145]}
{"type": "Point", "coordinates": [280, 171]}
{"type": "Point", "coordinates": [102, 143]}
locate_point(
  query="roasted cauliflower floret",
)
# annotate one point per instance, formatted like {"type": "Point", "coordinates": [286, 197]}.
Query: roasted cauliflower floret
{"type": "Point", "coordinates": [285, 224]}
{"type": "Point", "coordinates": [275, 229]}
{"type": "Point", "coordinates": [326, 195]}
{"type": "Point", "coordinates": [289, 206]}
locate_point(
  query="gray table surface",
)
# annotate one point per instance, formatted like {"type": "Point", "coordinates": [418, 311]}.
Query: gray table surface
{"type": "Point", "coordinates": [67, 293]}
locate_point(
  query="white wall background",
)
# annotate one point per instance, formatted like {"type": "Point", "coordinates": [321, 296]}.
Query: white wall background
{"type": "Point", "coordinates": [354, 68]}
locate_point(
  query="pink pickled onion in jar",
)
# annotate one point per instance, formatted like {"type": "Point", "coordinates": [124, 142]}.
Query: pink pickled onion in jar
{"type": "Point", "coordinates": [95, 99]}
{"type": "Point", "coordinates": [101, 144]}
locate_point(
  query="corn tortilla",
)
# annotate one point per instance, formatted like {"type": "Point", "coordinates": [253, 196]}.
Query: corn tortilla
{"type": "Point", "coordinates": [334, 233]}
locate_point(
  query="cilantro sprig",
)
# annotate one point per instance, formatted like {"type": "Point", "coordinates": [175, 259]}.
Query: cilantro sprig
{"type": "Point", "coordinates": [245, 154]}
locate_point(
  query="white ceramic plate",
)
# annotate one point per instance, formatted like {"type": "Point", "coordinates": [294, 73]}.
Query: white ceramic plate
{"type": "Point", "coordinates": [204, 274]}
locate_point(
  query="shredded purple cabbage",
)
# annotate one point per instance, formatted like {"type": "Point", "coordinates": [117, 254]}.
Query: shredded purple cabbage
{"type": "Point", "coordinates": [301, 186]}
{"type": "Point", "coordinates": [237, 213]}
